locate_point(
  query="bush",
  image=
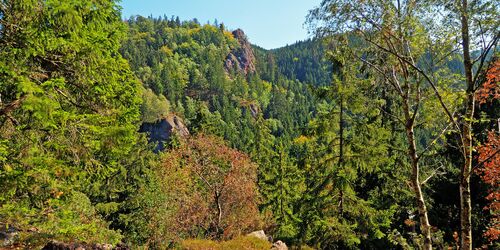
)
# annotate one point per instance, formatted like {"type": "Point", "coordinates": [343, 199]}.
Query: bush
{"type": "Point", "coordinates": [210, 190]}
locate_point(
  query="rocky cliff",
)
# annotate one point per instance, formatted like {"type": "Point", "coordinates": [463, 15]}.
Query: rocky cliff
{"type": "Point", "coordinates": [161, 131]}
{"type": "Point", "coordinates": [241, 59]}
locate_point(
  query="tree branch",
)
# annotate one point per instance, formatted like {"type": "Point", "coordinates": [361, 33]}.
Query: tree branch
{"type": "Point", "coordinates": [427, 78]}
{"type": "Point", "coordinates": [434, 141]}
{"type": "Point", "coordinates": [435, 172]}
{"type": "Point", "coordinates": [482, 162]}
{"type": "Point", "coordinates": [483, 57]}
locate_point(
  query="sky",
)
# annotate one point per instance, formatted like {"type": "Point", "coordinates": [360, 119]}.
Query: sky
{"type": "Point", "coordinates": [268, 23]}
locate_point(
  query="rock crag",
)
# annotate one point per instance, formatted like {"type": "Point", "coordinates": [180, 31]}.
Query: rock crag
{"type": "Point", "coordinates": [241, 59]}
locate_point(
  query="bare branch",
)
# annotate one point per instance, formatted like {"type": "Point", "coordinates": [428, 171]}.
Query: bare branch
{"type": "Point", "coordinates": [7, 109]}
{"type": "Point", "coordinates": [434, 173]}
{"type": "Point", "coordinates": [427, 78]}
{"type": "Point", "coordinates": [434, 140]}
{"type": "Point", "coordinates": [483, 57]}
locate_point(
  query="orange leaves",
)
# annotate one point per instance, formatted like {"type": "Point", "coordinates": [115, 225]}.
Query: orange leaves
{"type": "Point", "coordinates": [491, 87]}
{"type": "Point", "coordinates": [213, 188]}
{"type": "Point", "coordinates": [489, 156]}
{"type": "Point", "coordinates": [489, 153]}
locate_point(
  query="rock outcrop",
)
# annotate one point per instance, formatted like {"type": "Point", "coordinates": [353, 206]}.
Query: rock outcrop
{"type": "Point", "coordinates": [162, 130]}
{"type": "Point", "coordinates": [241, 59]}
{"type": "Point", "coordinates": [278, 245]}
{"type": "Point", "coordinates": [254, 110]}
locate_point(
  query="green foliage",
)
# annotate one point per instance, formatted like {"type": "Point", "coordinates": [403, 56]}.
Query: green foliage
{"type": "Point", "coordinates": [281, 184]}
{"type": "Point", "coordinates": [153, 107]}
{"type": "Point", "coordinates": [303, 61]}
{"type": "Point", "coordinates": [76, 219]}
{"type": "Point", "coordinates": [70, 108]}
{"type": "Point", "coordinates": [185, 62]}
{"type": "Point", "coordinates": [312, 141]}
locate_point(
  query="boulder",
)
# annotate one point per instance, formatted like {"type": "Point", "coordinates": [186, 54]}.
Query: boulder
{"type": "Point", "coordinates": [279, 245]}
{"type": "Point", "coordinates": [258, 234]}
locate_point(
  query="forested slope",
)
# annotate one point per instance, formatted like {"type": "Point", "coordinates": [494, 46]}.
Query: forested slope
{"type": "Point", "coordinates": [167, 133]}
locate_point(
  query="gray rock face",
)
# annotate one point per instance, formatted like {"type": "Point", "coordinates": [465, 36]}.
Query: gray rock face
{"type": "Point", "coordinates": [278, 245]}
{"type": "Point", "coordinates": [161, 131]}
{"type": "Point", "coordinates": [241, 59]}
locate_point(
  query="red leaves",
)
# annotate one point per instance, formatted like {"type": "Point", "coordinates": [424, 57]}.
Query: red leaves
{"type": "Point", "coordinates": [491, 88]}
{"type": "Point", "coordinates": [489, 156]}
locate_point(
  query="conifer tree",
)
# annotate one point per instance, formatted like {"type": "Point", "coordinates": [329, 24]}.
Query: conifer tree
{"type": "Point", "coordinates": [68, 119]}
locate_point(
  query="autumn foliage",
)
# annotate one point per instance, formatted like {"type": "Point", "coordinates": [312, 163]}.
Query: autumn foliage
{"type": "Point", "coordinates": [490, 89]}
{"type": "Point", "coordinates": [488, 153]}
{"type": "Point", "coordinates": [489, 156]}
{"type": "Point", "coordinates": [211, 190]}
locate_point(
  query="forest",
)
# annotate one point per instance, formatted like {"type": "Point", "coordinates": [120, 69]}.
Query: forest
{"type": "Point", "coordinates": [381, 131]}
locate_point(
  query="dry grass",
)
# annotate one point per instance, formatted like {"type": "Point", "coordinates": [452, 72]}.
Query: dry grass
{"type": "Point", "coordinates": [243, 243]}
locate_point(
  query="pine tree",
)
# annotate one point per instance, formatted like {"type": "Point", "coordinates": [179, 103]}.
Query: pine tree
{"type": "Point", "coordinates": [68, 120]}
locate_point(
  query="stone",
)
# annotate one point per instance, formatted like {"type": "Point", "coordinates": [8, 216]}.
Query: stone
{"type": "Point", "coordinates": [161, 131]}
{"type": "Point", "coordinates": [8, 235]}
{"type": "Point", "coordinates": [242, 59]}
{"type": "Point", "coordinates": [258, 234]}
{"type": "Point", "coordinates": [279, 245]}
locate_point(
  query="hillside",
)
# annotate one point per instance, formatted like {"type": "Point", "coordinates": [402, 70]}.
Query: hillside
{"type": "Point", "coordinates": [303, 61]}
{"type": "Point", "coordinates": [162, 133]}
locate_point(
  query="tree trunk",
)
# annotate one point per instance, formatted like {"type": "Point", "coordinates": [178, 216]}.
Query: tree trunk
{"type": "Point", "coordinates": [341, 153]}
{"type": "Point", "coordinates": [425, 226]}
{"type": "Point", "coordinates": [219, 213]}
{"type": "Point", "coordinates": [281, 184]}
{"type": "Point", "coordinates": [467, 143]}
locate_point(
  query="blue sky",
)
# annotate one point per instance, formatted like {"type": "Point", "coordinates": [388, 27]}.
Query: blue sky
{"type": "Point", "coordinates": [267, 23]}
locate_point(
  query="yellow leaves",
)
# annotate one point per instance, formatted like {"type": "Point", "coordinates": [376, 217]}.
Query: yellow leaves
{"type": "Point", "coordinates": [209, 28]}
{"type": "Point", "coordinates": [267, 86]}
{"type": "Point", "coordinates": [142, 35]}
{"type": "Point", "coordinates": [229, 36]}
{"type": "Point", "coordinates": [302, 139]}
{"type": "Point", "coordinates": [57, 194]}
{"type": "Point", "coordinates": [193, 31]}
{"type": "Point", "coordinates": [7, 168]}
{"type": "Point", "coordinates": [168, 51]}
{"type": "Point", "coordinates": [241, 242]}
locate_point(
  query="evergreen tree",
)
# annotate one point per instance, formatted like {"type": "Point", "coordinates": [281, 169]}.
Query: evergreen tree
{"type": "Point", "coordinates": [69, 116]}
